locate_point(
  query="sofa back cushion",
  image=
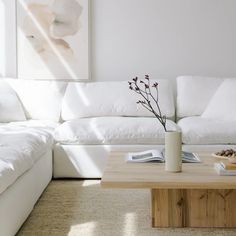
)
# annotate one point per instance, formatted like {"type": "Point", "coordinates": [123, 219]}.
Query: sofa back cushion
{"type": "Point", "coordinates": [194, 93]}
{"type": "Point", "coordinates": [222, 105]}
{"type": "Point", "coordinates": [110, 99]}
{"type": "Point", "coordinates": [10, 105]}
{"type": "Point", "coordinates": [40, 99]}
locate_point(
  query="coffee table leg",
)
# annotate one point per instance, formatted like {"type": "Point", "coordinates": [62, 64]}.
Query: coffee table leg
{"type": "Point", "coordinates": [193, 208]}
{"type": "Point", "coordinates": [167, 208]}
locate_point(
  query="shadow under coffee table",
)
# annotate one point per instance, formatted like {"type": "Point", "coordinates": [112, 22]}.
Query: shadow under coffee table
{"type": "Point", "coordinates": [196, 197]}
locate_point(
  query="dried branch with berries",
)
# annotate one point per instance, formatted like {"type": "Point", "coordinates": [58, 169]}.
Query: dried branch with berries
{"type": "Point", "coordinates": [149, 100]}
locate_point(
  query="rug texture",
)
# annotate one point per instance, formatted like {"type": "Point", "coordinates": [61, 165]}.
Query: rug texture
{"type": "Point", "coordinates": [83, 208]}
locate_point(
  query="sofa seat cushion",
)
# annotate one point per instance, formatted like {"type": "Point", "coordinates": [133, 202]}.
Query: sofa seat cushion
{"type": "Point", "coordinates": [198, 130]}
{"type": "Point", "coordinates": [112, 130]}
{"type": "Point", "coordinates": [47, 125]}
{"type": "Point", "coordinates": [20, 148]}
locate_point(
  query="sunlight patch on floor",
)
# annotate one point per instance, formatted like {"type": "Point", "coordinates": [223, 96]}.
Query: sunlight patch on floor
{"type": "Point", "coordinates": [130, 223]}
{"type": "Point", "coordinates": [88, 229]}
{"type": "Point", "coordinates": [90, 183]}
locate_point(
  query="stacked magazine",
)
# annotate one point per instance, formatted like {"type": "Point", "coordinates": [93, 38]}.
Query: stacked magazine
{"type": "Point", "coordinates": [223, 168]}
{"type": "Point", "coordinates": [159, 156]}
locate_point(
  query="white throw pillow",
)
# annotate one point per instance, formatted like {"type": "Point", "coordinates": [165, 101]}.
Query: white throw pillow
{"type": "Point", "coordinates": [10, 106]}
{"type": "Point", "coordinates": [223, 104]}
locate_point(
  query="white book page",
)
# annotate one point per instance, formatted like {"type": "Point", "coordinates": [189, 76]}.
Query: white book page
{"type": "Point", "coordinates": [149, 155]}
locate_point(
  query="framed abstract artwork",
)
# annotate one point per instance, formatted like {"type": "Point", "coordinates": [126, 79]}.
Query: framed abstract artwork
{"type": "Point", "coordinates": [53, 39]}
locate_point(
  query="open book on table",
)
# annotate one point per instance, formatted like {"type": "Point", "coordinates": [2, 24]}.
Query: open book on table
{"type": "Point", "coordinates": [159, 156]}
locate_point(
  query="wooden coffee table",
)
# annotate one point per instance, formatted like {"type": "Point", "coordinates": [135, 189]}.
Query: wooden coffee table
{"type": "Point", "coordinates": [196, 197]}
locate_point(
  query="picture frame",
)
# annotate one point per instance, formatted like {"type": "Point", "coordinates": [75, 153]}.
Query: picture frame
{"type": "Point", "coordinates": [53, 40]}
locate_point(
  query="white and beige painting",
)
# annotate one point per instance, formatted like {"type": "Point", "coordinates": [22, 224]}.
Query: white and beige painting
{"type": "Point", "coordinates": [52, 37]}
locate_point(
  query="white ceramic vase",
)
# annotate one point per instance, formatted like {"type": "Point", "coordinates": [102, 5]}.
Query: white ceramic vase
{"type": "Point", "coordinates": [173, 151]}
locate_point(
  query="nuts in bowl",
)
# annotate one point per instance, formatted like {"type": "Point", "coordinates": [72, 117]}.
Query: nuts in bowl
{"type": "Point", "coordinates": [229, 154]}
{"type": "Point", "coordinates": [226, 153]}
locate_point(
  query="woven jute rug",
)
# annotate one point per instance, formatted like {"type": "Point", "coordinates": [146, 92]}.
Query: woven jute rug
{"type": "Point", "coordinates": [83, 208]}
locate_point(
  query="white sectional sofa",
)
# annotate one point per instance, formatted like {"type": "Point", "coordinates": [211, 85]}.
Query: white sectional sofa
{"type": "Point", "coordinates": [87, 121]}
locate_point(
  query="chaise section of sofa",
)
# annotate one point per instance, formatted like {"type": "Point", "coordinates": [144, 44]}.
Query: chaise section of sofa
{"type": "Point", "coordinates": [30, 111]}
{"type": "Point", "coordinates": [25, 171]}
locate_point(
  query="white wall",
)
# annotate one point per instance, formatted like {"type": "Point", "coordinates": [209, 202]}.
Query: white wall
{"type": "Point", "coordinates": [2, 39]}
{"type": "Point", "coordinates": [164, 38]}
{"type": "Point", "coordinates": [7, 38]}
